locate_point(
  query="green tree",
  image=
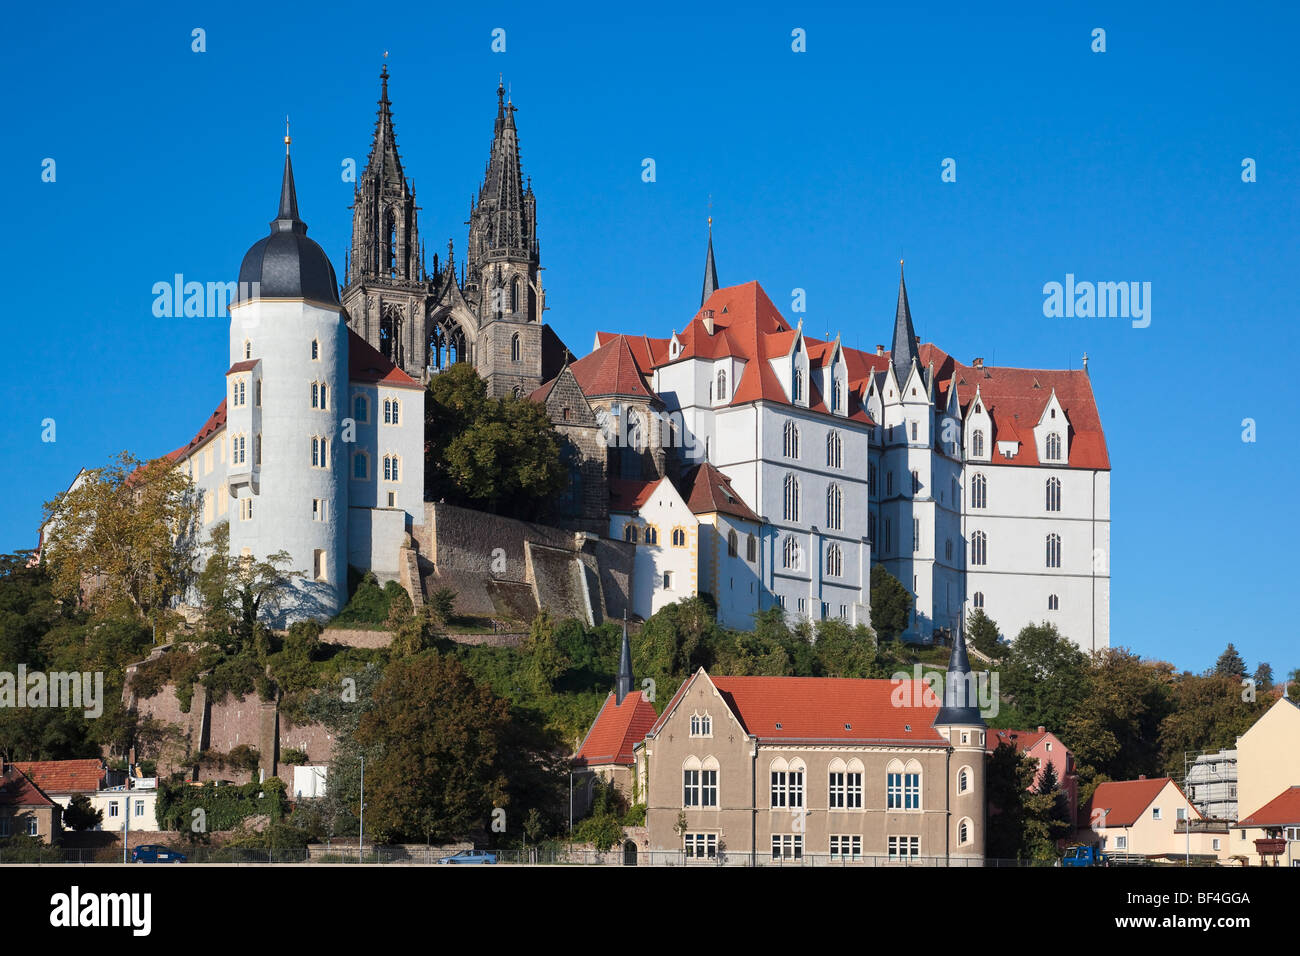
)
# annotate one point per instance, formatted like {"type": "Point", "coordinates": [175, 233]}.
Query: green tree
{"type": "Point", "coordinates": [842, 651]}
{"type": "Point", "coordinates": [1264, 676]}
{"type": "Point", "coordinates": [983, 633]}
{"type": "Point", "coordinates": [124, 533]}
{"type": "Point", "coordinates": [1043, 673]}
{"type": "Point", "coordinates": [498, 454]}
{"type": "Point", "coordinates": [1008, 777]}
{"type": "Point", "coordinates": [1115, 726]}
{"type": "Point", "coordinates": [891, 604]}
{"type": "Point", "coordinates": [1230, 663]}
{"type": "Point", "coordinates": [80, 815]}
{"type": "Point", "coordinates": [436, 740]}
{"type": "Point", "coordinates": [546, 662]}
{"type": "Point", "coordinates": [237, 591]}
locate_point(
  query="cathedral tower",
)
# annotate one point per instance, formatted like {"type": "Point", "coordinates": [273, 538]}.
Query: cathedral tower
{"type": "Point", "coordinates": [502, 270]}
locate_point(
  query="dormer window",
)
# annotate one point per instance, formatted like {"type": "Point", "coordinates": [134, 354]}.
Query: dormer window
{"type": "Point", "coordinates": [1053, 447]}
{"type": "Point", "coordinates": [836, 395]}
{"type": "Point", "coordinates": [797, 393]}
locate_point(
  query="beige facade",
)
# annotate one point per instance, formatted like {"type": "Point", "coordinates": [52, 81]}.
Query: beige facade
{"type": "Point", "coordinates": [1157, 829]}
{"type": "Point", "coordinates": [1268, 763]}
{"type": "Point", "coordinates": [749, 797]}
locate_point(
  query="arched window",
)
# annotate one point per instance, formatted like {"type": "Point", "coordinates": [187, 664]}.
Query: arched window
{"type": "Point", "coordinates": [979, 489]}
{"type": "Point", "coordinates": [903, 785]}
{"type": "Point", "coordinates": [963, 780]}
{"type": "Point", "coordinates": [360, 409]}
{"type": "Point", "coordinates": [629, 532]}
{"type": "Point", "coordinates": [514, 347]}
{"type": "Point", "coordinates": [978, 548]}
{"type": "Point", "coordinates": [790, 553]}
{"type": "Point", "coordinates": [651, 534]}
{"type": "Point", "coordinates": [797, 394]}
{"type": "Point", "coordinates": [1053, 494]}
{"type": "Point", "coordinates": [701, 725]}
{"type": "Point", "coordinates": [391, 468]}
{"type": "Point", "coordinates": [1053, 550]}
{"type": "Point", "coordinates": [1053, 447]}
{"type": "Point", "coordinates": [916, 483]}
{"type": "Point", "coordinates": [790, 505]}
{"type": "Point", "coordinates": [514, 295]}
{"type": "Point", "coordinates": [751, 549]}
{"type": "Point", "coordinates": [836, 394]}
{"type": "Point", "coordinates": [978, 599]}
{"type": "Point", "coordinates": [834, 450]}
{"type": "Point", "coordinates": [1053, 602]}
{"type": "Point", "coordinates": [248, 349]}
{"type": "Point", "coordinates": [963, 832]}
{"type": "Point", "coordinates": [834, 561]}
{"type": "Point", "coordinates": [733, 543]}
{"type": "Point", "coordinates": [679, 537]}
{"type": "Point", "coordinates": [834, 507]}
{"type": "Point", "coordinates": [722, 385]}
{"type": "Point", "coordinates": [791, 440]}
{"type": "Point", "coordinates": [977, 443]}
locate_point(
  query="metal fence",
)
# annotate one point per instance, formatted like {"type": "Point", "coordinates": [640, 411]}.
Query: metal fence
{"type": "Point", "coordinates": [543, 855]}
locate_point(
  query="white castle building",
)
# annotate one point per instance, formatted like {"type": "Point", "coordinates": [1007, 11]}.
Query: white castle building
{"type": "Point", "coordinates": [318, 447]}
{"type": "Point", "coordinates": [975, 486]}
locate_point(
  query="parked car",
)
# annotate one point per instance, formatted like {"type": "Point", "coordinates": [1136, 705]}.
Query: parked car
{"type": "Point", "coordinates": [156, 853]}
{"type": "Point", "coordinates": [470, 856]}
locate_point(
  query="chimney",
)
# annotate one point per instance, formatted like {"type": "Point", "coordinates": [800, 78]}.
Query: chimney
{"type": "Point", "coordinates": [880, 350]}
{"type": "Point", "coordinates": [978, 363]}
{"type": "Point", "coordinates": [708, 321]}
{"type": "Point", "coordinates": [1042, 729]}
{"type": "Point", "coordinates": [1142, 776]}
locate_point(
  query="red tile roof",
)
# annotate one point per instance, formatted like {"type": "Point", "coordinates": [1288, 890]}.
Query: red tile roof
{"type": "Point", "coordinates": [612, 370]}
{"type": "Point", "coordinates": [366, 364]}
{"type": "Point", "coordinates": [626, 494]}
{"type": "Point", "coordinates": [710, 491]}
{"type": "Point", "coordinates": [65, 776]}
{"type": "Point", "coordinates": [1021, 740]}
{"type": "Point", "coordinates": [1282, 811]}
{"type": "Point", "coordinates": [617, 728]}
{"type": "Point", "coordinates": [216, 421]}
{"type": "Point", "coordinates": [749, 328]}
{"type": "Point", "coordinates": [245, 366]}
{"type": "Point", "coordinates": [1124, 801]}
{"type": "Point", "coordinates": [828, 708]}
{"type": "Point", "coordinates": [17, 791]}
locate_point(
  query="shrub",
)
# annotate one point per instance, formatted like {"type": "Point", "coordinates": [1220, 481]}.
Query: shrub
{"type": "Point", "coordinates": [443, 604]}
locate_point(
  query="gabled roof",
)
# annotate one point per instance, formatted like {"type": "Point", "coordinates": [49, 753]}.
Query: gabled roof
{"type": "Point", "coordinates": [245, 366]}
{"type": "Point", "coordinates": [1282, 811]}
{"type": "Point", "coordinates": [65, 776]}
{"type": "Point", "coordinates": [1020, 740]}
{"type": "Point", "coordinates": [795, 709]}
{"type": "Point", "coordinates": [367, 364]}
{"type": "Point", "coordinates": [628, 494]}
{"type": "Point", "coordinates": [16, 790]}
{"type": "Point", "coordinates": [709, 491]}
{"type": "Point", "coordinates": [617, 728]}
{"type": "Point", "coordinates": [1124, 801]}
{"type": "Point", "coordinates": [216, 421]}
{"type": "Point", "coordinates": [612, 370]}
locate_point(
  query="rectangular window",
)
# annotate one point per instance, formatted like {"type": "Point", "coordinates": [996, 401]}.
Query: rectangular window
{"type": "Point", "coordinates": [392, 499]}
{"type": "Point", "coordinates": [911, 791]}
{"type": "Point", "coordinates": [690, 788]}
{"type": "Point", "coordinates": [904, 847]}
{"type": "Point", "coordinates": [913, 431]}
{"type": "Point", "coordinates": [701, 846]}
{"type": "Point", "coordinates": [318, 564]}
{"type": "Point", "coordinates": [318, 509]}
{"type": "Point", "coordinates": [845, 791]}
{"type": "Point", "coordinates": [112, 808]}
{"type": "Point", "coordinates": [778, 788]}
{"type": "Point", "coordinates": [139, 808]}
{"type": "Point", "coordinates": [916, 535]}
{"type": "Point", "coordinates": [245, 509]}
{"type": "Point", "coordinates": [848, 847]}
{"type": "Point", "coordinates": [1121, 843]}
{"type": "Point", "coordinates": [668, 580]}
{"type": "Point", "coordinates": [33, 827]}
{"type": "Point", "coordinates": [787, 846]}
{"type": "Point", "coordinates": [4, 827]}
{"type": "Point", "coordinates": [708, 788]}
{"type": "Point", "coordinates": [894, 791]}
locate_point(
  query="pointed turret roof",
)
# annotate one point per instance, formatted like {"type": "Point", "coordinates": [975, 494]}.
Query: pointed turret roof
{"type": "Point", "coordinates": [384, 160]}
{"type": "Point", "coordinates": [503, 182]}
{"type": "Point", "coordinates": [960, 701]}
{"type": "Point", "coordinates": [710, 270]}
{"type": "Point", "coordinates": [903, 351]}
{"type": "Point", "coordinates": [623, 686]}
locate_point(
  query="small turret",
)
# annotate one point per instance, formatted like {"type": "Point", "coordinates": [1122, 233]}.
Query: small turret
{"type": "Point", "coordinates": [623, 686]}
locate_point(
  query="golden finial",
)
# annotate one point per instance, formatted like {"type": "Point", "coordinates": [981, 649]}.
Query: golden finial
{"type": "Point", "coordinates": [287, 139]}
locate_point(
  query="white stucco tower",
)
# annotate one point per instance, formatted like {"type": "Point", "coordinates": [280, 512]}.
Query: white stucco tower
{"type": "Point", "coordinates": [286, 395]}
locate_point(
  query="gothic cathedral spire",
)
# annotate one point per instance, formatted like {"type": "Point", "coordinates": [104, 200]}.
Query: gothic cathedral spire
{"type": "Point", "coordinates": [710, 270]}
{"type": "Point", "coordinates": [903, 350]}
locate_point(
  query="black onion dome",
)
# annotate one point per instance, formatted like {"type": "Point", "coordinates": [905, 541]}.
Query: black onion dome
{"type": "Point", "coordinates": [286, 264]}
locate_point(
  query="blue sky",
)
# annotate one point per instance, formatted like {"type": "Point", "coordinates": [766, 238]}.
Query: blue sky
{"type": "Point", "coordinates": [823, 166]}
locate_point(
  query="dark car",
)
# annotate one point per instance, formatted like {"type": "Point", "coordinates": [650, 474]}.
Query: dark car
{"type": "Point", "coordinates": [156, 853]}
{"type": "Point", "coordinates": [470, 856]}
